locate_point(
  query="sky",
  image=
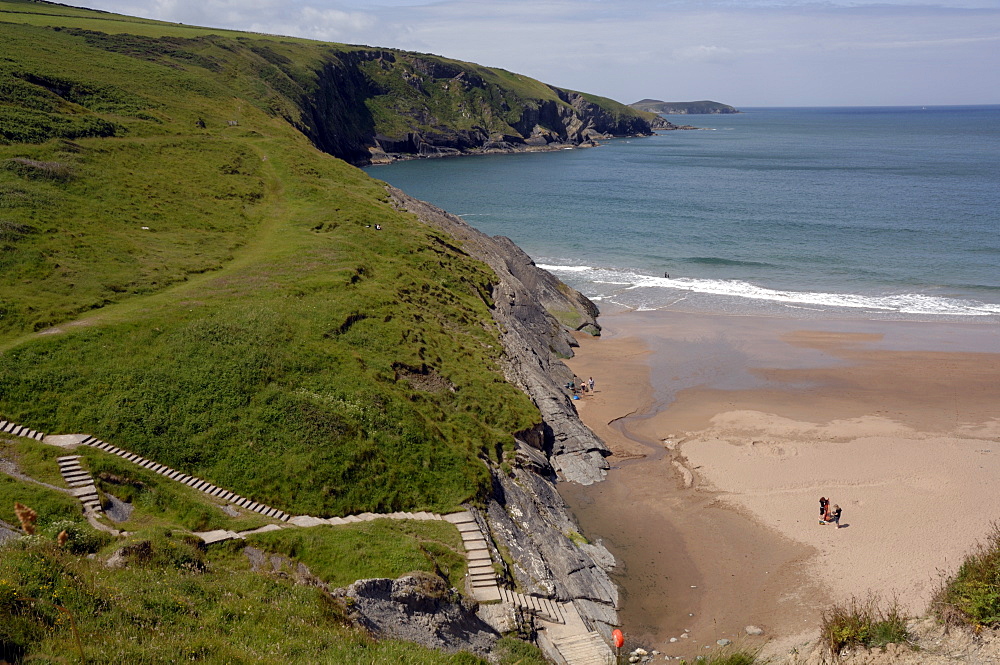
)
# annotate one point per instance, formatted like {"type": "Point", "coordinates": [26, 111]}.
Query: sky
{"type": "Point", "coordinates": [741, 52]}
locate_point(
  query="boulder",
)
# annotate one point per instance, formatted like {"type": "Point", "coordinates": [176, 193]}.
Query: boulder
{"type": "Point", "coordinates": [419, 608]}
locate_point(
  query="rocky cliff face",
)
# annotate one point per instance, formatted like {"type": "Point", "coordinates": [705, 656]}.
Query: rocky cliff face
{"type": "Point", "coordinates": [368, 106]}
{"type": "Point", "coordinates": [530, 525]}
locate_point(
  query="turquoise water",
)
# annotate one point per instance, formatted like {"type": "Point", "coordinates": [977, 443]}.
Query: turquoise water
{"type": "Point", "coordinates": [875, 213]}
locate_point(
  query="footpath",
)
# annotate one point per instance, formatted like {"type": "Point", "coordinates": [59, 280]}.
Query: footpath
{"type": "Point", "coordinates": [562, 632]}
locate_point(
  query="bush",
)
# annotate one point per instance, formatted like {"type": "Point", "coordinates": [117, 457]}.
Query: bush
{"type": "Point", "coordinates": [512, 651]}
{"type": "Point", "coordinates": [81, 539]}
{"type": "Point", "coordinates": [972, 596]}
{"type": "Point", "coordinates": [865, 623]}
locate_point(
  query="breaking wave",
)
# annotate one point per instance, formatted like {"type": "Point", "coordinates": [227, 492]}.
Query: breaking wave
{"type": "Point", "coordinates": [625, 283]}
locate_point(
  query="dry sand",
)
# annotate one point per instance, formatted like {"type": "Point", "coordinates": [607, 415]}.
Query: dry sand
{"type": "Point", "coordinates": [717, 527]}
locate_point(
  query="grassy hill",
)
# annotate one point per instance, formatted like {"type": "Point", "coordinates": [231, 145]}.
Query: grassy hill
{"type": "Point", "coordinates": [215, 295]}
{"type": "Point", "coordinates": [191, 270]}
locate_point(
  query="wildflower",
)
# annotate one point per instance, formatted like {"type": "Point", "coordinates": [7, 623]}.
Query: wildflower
{"type": "Point", "coordinates": [27, 517]}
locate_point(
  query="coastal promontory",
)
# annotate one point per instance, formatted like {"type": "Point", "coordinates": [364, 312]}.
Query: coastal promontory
{"type": "Point", "coordinates": [703, 107]}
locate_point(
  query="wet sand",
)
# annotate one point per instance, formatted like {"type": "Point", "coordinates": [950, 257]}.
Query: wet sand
{"type": "Point", "coordinates": [727, 430]}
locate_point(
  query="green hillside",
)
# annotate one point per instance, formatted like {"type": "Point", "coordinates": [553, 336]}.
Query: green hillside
{"type": "Point", "coordinates": [159, 594]}
{"type": "Point", "coordinates": [191, 269]}
{"type": "Point", "coordinates": [184, 273]}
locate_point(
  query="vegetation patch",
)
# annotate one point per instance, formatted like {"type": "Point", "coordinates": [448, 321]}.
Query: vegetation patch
{"type": "Point", "coordinates": [48, 503]}
{"type": "Point", "coordinates": [156, 608]}
{"type": "Point", "coordinates": [158, 501]}
{"type": "Point", "coordinates": [863, 623]}
{"type": "Point", "coordinates": [35, 459]}
{"type": "Point", "coordinates": [340, 555]}
{"type": "Point", "coordinates": [971, 597]}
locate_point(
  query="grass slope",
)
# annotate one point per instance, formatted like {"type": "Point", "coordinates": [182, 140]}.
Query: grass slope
{"type": "Point", "coordinates": [216, 297]}
{"type": "Point", "coordinates": [159, 595]}
{"type": "Point", "coordinates": [184, 274]}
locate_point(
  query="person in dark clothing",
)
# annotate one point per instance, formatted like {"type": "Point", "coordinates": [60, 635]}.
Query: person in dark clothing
{"type": "Point", "coordinates": [824, 509]}
{"type": "Point", "coordinates": [836, 515]}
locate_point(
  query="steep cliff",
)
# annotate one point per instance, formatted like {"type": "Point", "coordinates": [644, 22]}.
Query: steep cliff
{"type": "Point", "coordinates": [530, 525]}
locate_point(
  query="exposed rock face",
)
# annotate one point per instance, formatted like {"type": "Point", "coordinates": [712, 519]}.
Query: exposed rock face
{"type": "Point", "coordinates": [441, 109]}
{"type": "Point", "coordinates": [533, 340]}
{"type": "Point", "coordinates": [419, 608]}
{"type": "Point", "coordinates": [525, 515]}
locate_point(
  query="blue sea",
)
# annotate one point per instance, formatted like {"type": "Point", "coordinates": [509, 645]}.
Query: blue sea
{"type": "Point", "coordinates": [871, 213]}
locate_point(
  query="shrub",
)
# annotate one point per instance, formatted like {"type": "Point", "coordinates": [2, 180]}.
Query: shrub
{"type": "Point", "coordinates": [81, 539]}
{"type": "Point", "coordinates": [972, 595]}
{"type": "Point", "coordinates": [512, 651]}
{"type": "Point", "coordinates": [864, 623]}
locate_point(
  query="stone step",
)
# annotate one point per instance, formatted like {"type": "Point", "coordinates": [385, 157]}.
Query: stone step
{"type": "Point", "coordinates": [468, 527]}
{"type": "Point", "coordinates": [482, 575]}
{"type": "Point", "coordinates": [487, 594]}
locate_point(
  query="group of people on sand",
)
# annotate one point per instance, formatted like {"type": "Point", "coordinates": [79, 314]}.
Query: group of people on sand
{"type": "Point", "coordinates": [828, 514]}
{"type": "Point", "coordinates": [583, 388]}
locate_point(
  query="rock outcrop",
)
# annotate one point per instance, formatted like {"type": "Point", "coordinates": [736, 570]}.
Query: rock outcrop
{"type": "Point", "coordinates": [419, 608]}
{"type": "Point", "coordinates": [530, 525]}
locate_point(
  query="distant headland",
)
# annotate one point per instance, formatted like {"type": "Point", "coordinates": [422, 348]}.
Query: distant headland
{"type": "Point", "coordinates": [683, 108]}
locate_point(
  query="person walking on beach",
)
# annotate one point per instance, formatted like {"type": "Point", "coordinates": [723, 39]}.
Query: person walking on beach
{"type": "Point", "coordinates": [590, 382]}
{"type": "Point", "coordinates": [824, 509]}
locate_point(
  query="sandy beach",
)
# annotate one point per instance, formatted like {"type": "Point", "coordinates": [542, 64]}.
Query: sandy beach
{"type": "Point", "coordinates": [727, 430]}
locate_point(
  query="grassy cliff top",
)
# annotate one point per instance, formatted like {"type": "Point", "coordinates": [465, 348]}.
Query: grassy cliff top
{"type": "Point", "coordinates": [186, 275]}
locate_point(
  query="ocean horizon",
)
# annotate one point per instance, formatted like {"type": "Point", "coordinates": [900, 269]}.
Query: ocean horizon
{"type": "Point", "coordinates": [875, 213]}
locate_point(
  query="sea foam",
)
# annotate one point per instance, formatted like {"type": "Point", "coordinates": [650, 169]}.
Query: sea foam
{"type": "Point", "coordinates": [662, 292]}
